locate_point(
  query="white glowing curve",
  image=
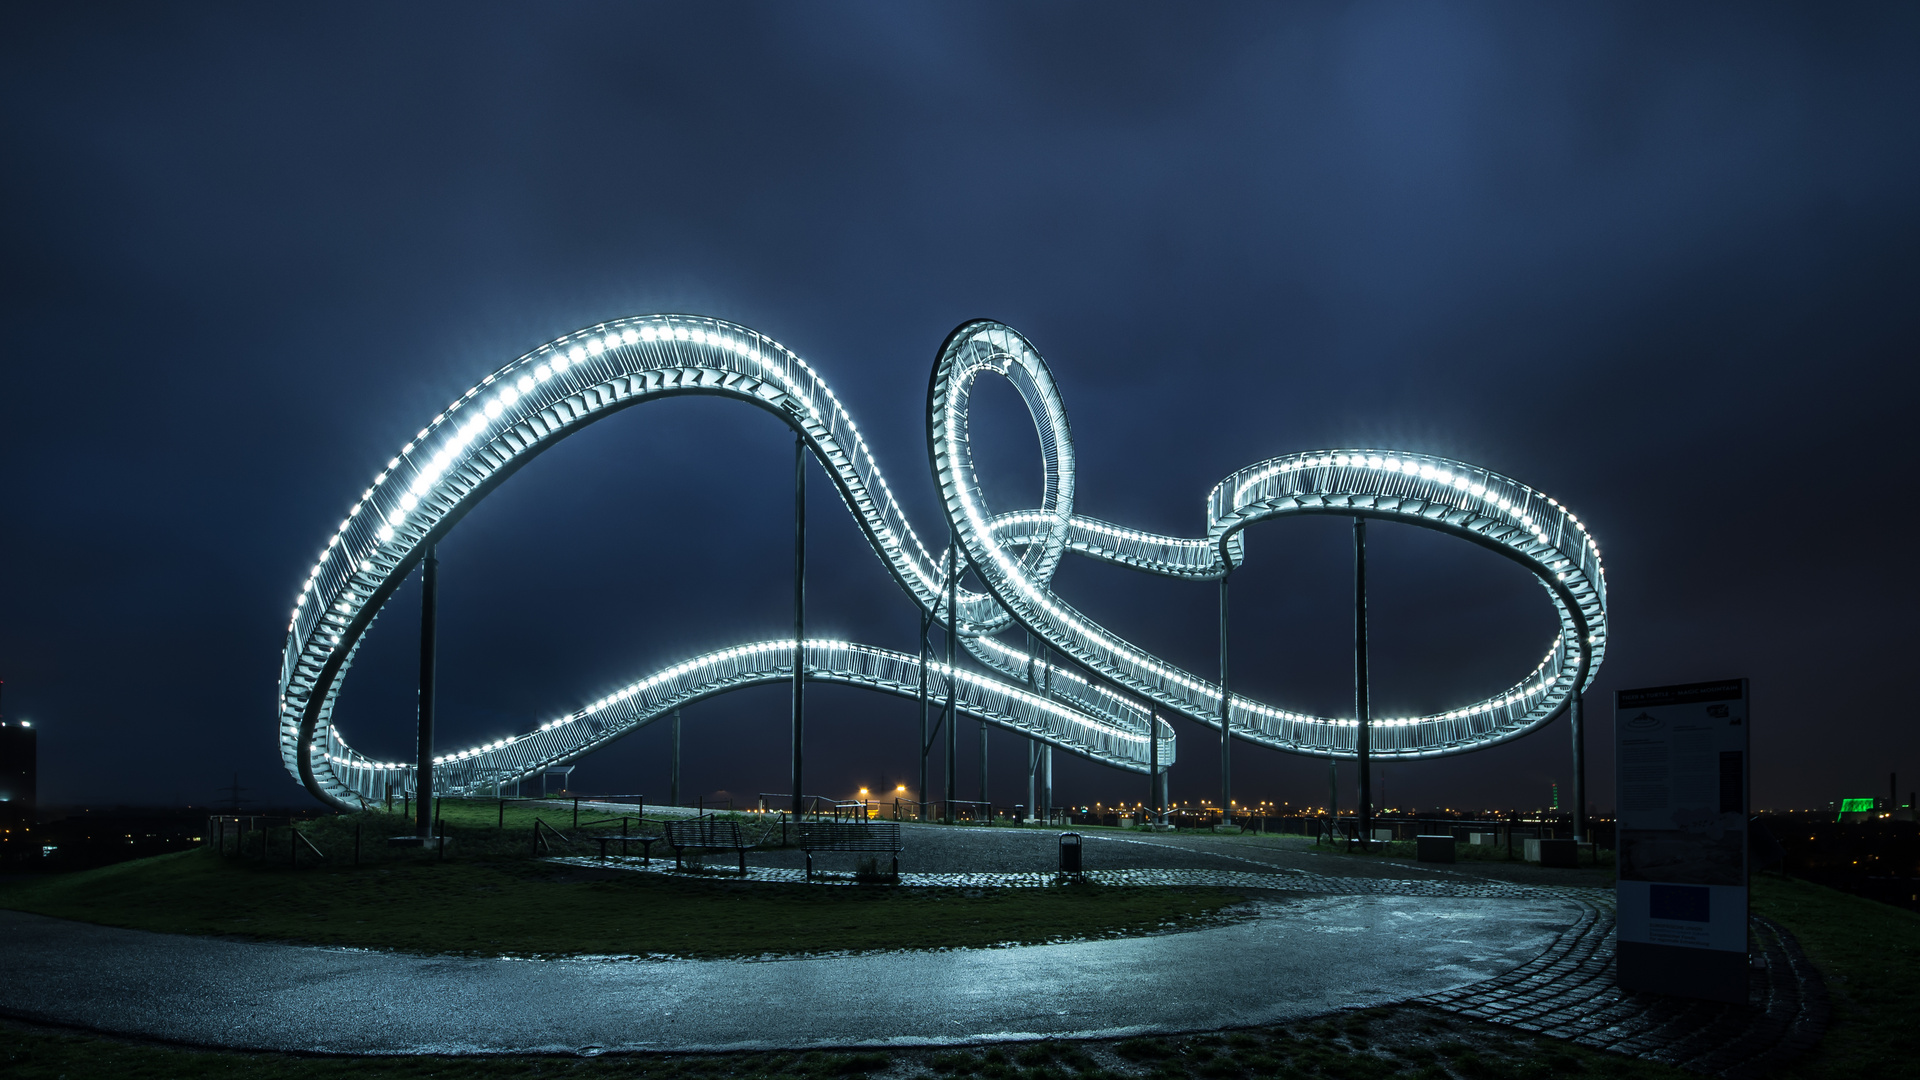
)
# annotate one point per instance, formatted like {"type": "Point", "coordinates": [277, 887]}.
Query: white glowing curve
{"type": "Point", "coordinates": [633, 706]}
{"type": "Point", "coordinates": [513, 414]}
{"type": "Point", "coordinates": [509, 417]}
{"type": "Point", "coordinates": [1418, 489]}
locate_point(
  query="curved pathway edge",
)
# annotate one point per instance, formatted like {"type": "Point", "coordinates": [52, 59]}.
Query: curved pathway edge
{"type": "Point", "coordinates": [1300, 957]}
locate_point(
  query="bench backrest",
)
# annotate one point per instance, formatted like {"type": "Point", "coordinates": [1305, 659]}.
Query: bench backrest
{"type": "Point", "coordinates": [704, 832]}
{"type": "Point", "coordinates": [872, 834]}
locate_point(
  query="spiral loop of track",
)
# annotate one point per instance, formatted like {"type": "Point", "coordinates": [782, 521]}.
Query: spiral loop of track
{"type": "Point", "coordinates": [1100, 704]}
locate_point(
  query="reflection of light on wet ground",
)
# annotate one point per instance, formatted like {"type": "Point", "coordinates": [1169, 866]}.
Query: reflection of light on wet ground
{"type": "Point", "coordinates": [1308, 942]}
{"type": "Point", "coordinates": [1352, 952]}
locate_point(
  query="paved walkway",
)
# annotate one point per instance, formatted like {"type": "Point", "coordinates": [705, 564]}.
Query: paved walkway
{"type": "Point", "coordinates": [1568, 992]}
{"type": "Point", "coordinates": [1518, 952]}
{"type": "Point", "coordinates": [1299, 958]}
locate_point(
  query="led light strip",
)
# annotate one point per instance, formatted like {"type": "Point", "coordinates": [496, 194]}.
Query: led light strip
{"type": "Point", "coordinates": [1014, 552]}
{"type": "Point", "coordinates": [492, 429]}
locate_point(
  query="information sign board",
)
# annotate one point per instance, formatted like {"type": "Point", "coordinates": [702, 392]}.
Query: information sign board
{"type": "Point", "coordinates": [1680, 784]}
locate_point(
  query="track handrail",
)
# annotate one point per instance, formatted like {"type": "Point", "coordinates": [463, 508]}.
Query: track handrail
{"type": "Point", "coordinates": [1098, 704]}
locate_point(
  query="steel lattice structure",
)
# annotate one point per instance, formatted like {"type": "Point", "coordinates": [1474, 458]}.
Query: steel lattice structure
{"type": "Point", "coordinates": [513, 414]}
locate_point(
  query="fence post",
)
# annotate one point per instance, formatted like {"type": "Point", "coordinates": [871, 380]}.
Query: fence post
{"type": "Point", "coordinates": [576, 811]}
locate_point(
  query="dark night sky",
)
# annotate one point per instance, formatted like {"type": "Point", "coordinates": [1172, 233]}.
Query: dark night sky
{"type": "Point", "coordinates": [1656, 261]}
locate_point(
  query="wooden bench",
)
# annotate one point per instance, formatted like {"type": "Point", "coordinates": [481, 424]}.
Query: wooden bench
{"type": "Point", "coordinates": [882, 836]}
{"type": "Point", "coordinates": [706, 834]}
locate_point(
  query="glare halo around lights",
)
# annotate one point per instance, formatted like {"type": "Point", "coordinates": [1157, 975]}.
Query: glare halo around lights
{"type": "Point", "coordinates": [487, 433]}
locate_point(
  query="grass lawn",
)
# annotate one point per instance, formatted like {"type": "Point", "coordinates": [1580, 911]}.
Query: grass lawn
{"type": "Point", "coordinates": [498, 906]}
{"type": "Point", "coordinates": [1870, 955]}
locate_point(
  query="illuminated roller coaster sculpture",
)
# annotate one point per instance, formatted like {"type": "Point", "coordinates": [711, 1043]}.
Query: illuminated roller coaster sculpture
{"type": "Point", "coordinates": [499, 425]}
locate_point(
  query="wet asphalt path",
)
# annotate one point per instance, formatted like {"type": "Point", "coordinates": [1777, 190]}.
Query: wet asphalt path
{"type": "Point", "coordinates": [1301, 956]}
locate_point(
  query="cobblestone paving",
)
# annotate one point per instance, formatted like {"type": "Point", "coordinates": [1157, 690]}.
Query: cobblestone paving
{"type": "Point", "coordinates": [1567, 992]}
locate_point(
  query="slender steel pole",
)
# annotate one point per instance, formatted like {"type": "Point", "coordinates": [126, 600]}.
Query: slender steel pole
{"type": "Point", "coordinates": [1153, 763]}
{"type": "Point", "coordinates": [1033, 745]}
{"type": "Point", "coordinates": [673, 777]}
{"type": "Point", "coordinates": [1579, 768]}
{"type": "Point", "coordinates": [1333, 797]}
{"type": "Point", "coordinates": [1033, 778]}
{"type": "Point", "coordinates": [949, 717]}
{"type": "Point", "coordinates": [1226, 713]}
{"type": "Point", "coordinates": [983, 762]}
{"type": "Point", "coordinates": [926, 656]}
{"type": "Point", "coordinates": [1363, 738]}
{"type": "Point", "coordinates": [799, 615]}
{"type": "Point", "coordinates": [1046, 752]}
{"type": "Point", "coordinates": [429, 612]}
{"type": "Point", "coordinates": [1046, 778]}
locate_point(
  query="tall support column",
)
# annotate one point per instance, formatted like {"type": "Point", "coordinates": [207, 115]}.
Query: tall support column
{"type": "Point", "coordinates": [1226, 712]}
{"type": "Point", "coordinates": [673, 777]}
{"type": "Point", "coordinates": [926, 737]}
{"type": "Point", "coordinates": [1578, 715]}
{"type": "Point", "coordinates": [1046, 779]}
{"type": "Point", "coordinates": [1033, 778]}
{"type": "Point", "coordinates": [1044, 678]}
{"type": "Point", "coordinates": [983, 763]}
{"type": "Point", "coordinates": [1363, 737]}
{"type": "Point", "coordinates": [429, 619]}
{"type": "Point", "coordinates": [1033, 745]}
{"type": "Point", "coordinates": [950, 717]}
{"type": "Point", "coordinates": [799, 617]}
{"type": "Point", "coordinates": [1333, 797]}
{"type": "Point", "coordinates": [1153, 764]}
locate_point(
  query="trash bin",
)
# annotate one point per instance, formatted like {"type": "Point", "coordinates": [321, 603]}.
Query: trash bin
{"type": "Point", "coordinates": [1070, 853]}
